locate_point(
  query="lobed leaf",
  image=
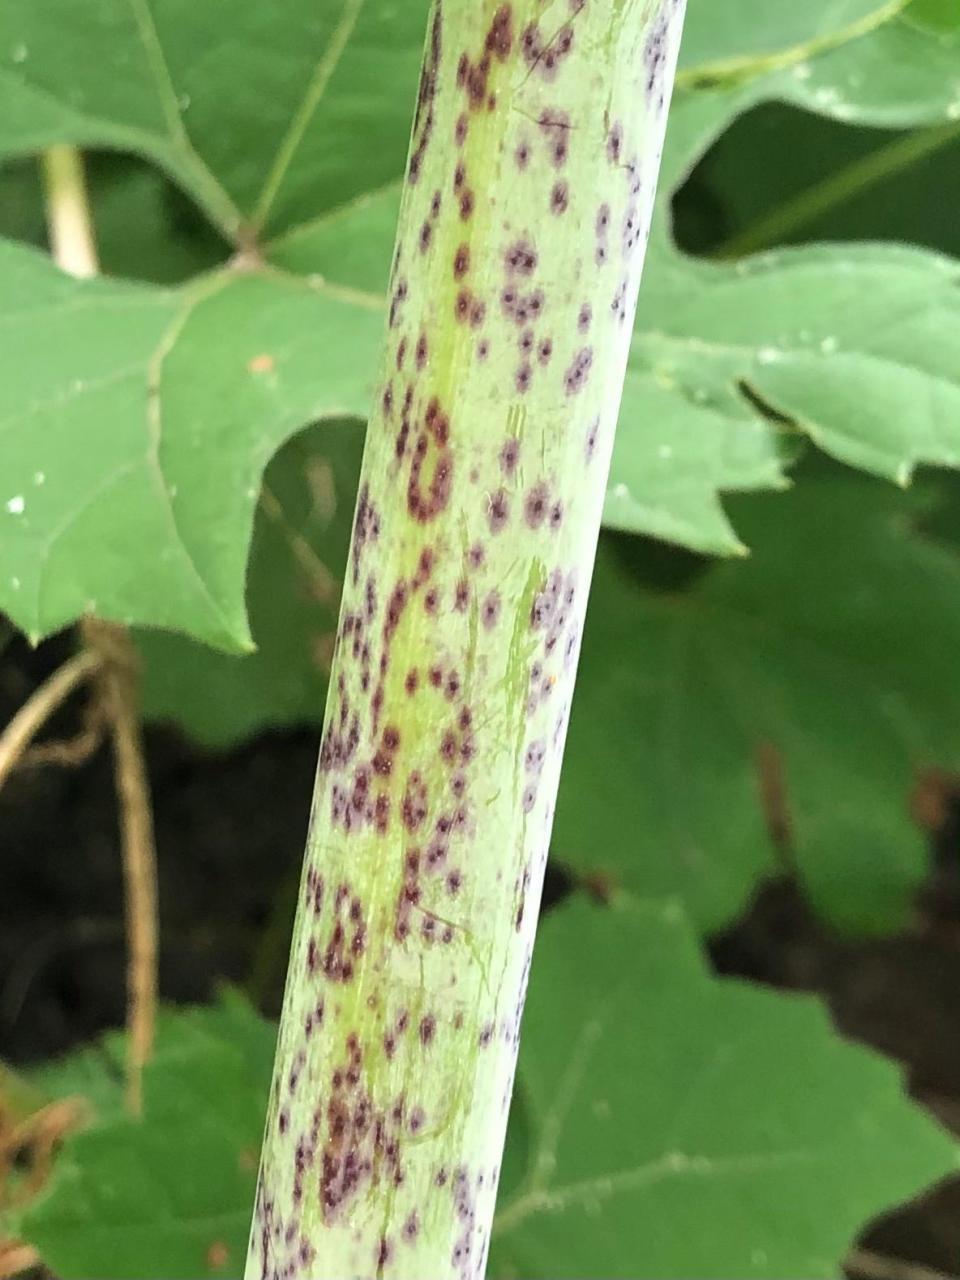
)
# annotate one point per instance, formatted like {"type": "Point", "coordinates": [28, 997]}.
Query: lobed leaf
{"type": "Point", "coordinates": [170, 1194]}
{"type": "Point", "coordinates": [663, 1126]}
{"type": "Point", "coordinates": [832, 643]}
{"type": "Point", "coordinates": [682, 1126]}
{"type": "Point", "coordinates": [301, 535]}
{"type": "Point", "coordinates": [790, 336]}
{"type": "Point", "coordinates": [739, 38]}
{"type": "Point", "coordinates": [253, 120]}
{"type": "Point", "coordinates": [127, 403]}
{"type": "Point", "coordinates": [291, 127]}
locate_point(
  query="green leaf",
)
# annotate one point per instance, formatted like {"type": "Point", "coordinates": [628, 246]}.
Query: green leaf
{"type": "Point", "coordinates": [832, 642]}
{"type": "Point", "coordinates": [741, 38]}
{"type": "Point", "coordinates": [901, 75]}
{"type": "Point", "coordinates": [933, 15]}
{"type": "Point", "coordinates": [725, 355]}
{"type": "Point", "coordinates": [294, 124]}
{"type": "Point", "coordinates": [823, 181]}
{"type": "Point", "coordinates": [678, 444]}
{"type": "Point", "coordinates": [683, 1126]}
{"type": "Point", "coordinates": [171, 1194]}
{"type": "Point", "coordinates": [895, 64]}
{"type": "Point", "coordinates": [93, 1072]}
{"type": "Point", "coordinates": [253, 122]}
{"type": "Point", "coordinates": [351, 245]}
{"type": "Point", "coordinates": [146, 228]}
{"type": "Point", "coordinates": [777, 322]}
{"type": "Point", "coordinates": [649, 1094]}
{"type": "Point", "coordinates": [854, 344]}
{"type": "Point", "coordinates": [139, 422]}
{"type": "Point", "coordinates": [301, 535]}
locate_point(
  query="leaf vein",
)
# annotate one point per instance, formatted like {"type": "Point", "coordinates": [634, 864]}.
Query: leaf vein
{"type": "Point", "coordinates": [323, 73]}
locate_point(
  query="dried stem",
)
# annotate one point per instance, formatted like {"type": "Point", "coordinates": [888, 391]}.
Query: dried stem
{"type": "Point", "coordinates": [40, 706]}
{"type": "Point", "coordinates": [119, 691]}
{"type": "Point", "coordinates": [529, 192]}
{"type": "Point", "coordinates": [17, 1259]}
{"type": "Point", "coordinates": [70, 753]}
{"type": "Point", "coordinates": [111, 650]}
{"type": "Point", "coordinates": [865, 1264]}
{"type": "Point", "coordinates": [775, 804]}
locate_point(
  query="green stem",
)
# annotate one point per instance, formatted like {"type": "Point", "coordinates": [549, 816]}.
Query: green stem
{"type": "Point", "coordinates": [529, 191]}
{"type": "Point", "coordinates": [784, 222]}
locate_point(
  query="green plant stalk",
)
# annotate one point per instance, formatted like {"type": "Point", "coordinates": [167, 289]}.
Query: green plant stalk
{"type": "Point", "coordinates": [529, 191]}
{"type": "Point", "coordinates": [853, 180]}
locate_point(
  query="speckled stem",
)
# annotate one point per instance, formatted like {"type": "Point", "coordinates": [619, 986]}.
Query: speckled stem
{"type": "Point", "coordinates": [527, 201]}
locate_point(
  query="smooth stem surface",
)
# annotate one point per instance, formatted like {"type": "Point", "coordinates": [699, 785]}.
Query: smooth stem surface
{"type": "Point", "coordinates": [529, 191]}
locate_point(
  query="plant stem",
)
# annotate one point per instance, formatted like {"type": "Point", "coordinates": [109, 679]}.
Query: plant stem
{"type": "Point", "coordinates": [113, 654]}
{"type": "Point", "coordinates": [867, 1264]}
{"type": "Point", "coordinates": [529, 192]}
{"type": "Point", "coordinates": [17, 1259]}
{"type": "Point", "coordinates": [119, 690]}
{"type": "Point", "coordinates": [39, 707]}
{"type": "Point", "coordinates": [853, 180]}
{"type": "Point", "coordinates": [72, 243]}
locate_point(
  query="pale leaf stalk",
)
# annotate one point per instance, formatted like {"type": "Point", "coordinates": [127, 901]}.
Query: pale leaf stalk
{"type": "Point", "coordinates": [526, 208]}
{"type": "Point", "coordinates": [68, 212]}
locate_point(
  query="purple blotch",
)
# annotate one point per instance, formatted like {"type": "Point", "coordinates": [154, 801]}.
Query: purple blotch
{"type": "Point", "coordinates": [521, 258]}
{"type": "Point", "coordinates": [509, 455]}
{"type": "Point", "coordinates": [578, 371]}
{"type": "Point", "coordinates": [498, 510]}
{"type": "Point", "coordinates": [490, 613]}
{"type": "Point", "coordinates": [535, 505]}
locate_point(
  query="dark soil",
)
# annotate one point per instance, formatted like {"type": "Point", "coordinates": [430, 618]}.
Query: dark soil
{"type": "Point", "coordinates": [230, 832]}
